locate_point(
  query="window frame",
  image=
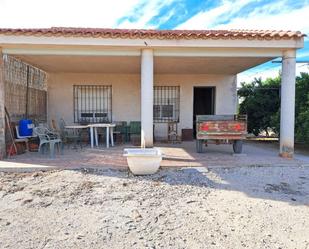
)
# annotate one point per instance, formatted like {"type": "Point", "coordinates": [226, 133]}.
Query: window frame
{"type": "Point", "coordinates": [166, 96]}
{"type": "Point", "coordinates": [92, 101]}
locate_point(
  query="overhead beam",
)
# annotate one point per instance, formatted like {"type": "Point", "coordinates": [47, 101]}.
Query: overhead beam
{"type": "Point", "coordinates": [150, 43]}
{"type": "Point", "coordinates": [172, 52]}
{"type": "Point", "coordinates": [219, 52]}
{"type": "Point", "coordinates": [70, 51]}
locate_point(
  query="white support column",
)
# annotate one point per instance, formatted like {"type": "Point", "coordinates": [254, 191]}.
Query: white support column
{"type": "Point", "coordinates": [2, 113]}
{"type": "Point", "coordinates": [147, 98]}
{"type": "Point", "coordinates": [287, 115]}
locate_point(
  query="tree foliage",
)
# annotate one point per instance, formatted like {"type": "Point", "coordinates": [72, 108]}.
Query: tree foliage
{"type": "Point", "coordinates": [302, 108]}
{"type": "Point", "coordinates": [260, 100]}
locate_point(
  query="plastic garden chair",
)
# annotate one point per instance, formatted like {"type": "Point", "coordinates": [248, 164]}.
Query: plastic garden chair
{"type": "Point", "coordinates": [134, 129]}
{"type": "Point", "coordinates": [122, 129]}
{"type": "Point", "coordinates": [70, 135]}
{"type": "Point", "coordinates": [47, 137]}
{"type": "Point", "coordinates": [22, 139]}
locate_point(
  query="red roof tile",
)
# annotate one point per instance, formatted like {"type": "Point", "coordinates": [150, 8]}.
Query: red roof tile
{"type": "Point", "coordinates": [156, 34]}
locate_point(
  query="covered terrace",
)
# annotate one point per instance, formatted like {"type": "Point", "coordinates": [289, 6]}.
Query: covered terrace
{"type": "Point", "coordinates": [133, 62]}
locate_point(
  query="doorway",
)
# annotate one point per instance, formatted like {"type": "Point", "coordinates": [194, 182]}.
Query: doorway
{"type": "Point", "coordinates": [203, 103]}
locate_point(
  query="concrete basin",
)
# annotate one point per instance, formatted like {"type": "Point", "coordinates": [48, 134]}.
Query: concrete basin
{"type": "Point", "coordinates": [143, 161]}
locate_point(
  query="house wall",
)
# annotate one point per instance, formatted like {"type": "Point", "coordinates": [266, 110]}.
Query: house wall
{"type": "Point", "coordinates": [126, 95]}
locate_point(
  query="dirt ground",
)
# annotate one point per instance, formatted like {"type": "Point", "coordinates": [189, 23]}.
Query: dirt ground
{"type": "Point", "coordinates": [245, 207]}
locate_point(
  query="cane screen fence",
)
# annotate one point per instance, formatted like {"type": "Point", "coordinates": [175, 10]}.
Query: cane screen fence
{"type": "Point", "coordinates": [25, 90]}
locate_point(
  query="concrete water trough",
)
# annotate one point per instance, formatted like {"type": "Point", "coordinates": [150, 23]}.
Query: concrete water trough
{"type": "Point", "coordinates": [143, 161]}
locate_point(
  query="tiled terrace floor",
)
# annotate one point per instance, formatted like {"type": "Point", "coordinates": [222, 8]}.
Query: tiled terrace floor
{"type": "Point", "coordinates": [175, 155]}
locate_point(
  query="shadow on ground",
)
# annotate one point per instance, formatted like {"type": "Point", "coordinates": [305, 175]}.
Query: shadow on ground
{"type": "Point", "coordinates": [281, 183]}
{"type": "Point", "coordinates": [259, 173]}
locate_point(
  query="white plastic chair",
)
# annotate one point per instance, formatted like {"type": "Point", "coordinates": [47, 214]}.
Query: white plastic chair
{"type": "Point", "coordinates": [48, 137]}
{"type": "Point", "coordinates": [21, 139]}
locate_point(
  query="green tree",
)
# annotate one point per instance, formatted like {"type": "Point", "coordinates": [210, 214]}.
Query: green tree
{"type": "Point", "coordinates": [302, 108]}
{"type": "Point", "coordinates": [260, 101]}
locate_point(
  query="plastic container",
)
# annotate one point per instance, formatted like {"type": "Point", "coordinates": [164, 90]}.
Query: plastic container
{"type": "Point", "coordinates": [143, 161]}
{"type": "Point", "coordinates": [25, 127]}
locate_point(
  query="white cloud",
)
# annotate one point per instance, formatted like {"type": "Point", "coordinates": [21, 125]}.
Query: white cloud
{"type": "Point", "coordinates": [288, 19]}
{"type": "Point", "coordinates": [150, 9]}
{"type": "Point", "coordinates": [303, 54]}
{"type": "Point", "coordinates": [68, 13]}
{"type": "Point", "coordinates": [272, 72]}
{"type": "Point", "coordinates": [262, 73]}
{"type": "Point", "coordinates": [261, 17]}
{"type": "Point", "coordinates": [80, 13]}
{"type": "Point", "coordinates": [207, 19]}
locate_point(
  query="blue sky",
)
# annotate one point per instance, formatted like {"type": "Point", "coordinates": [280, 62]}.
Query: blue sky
{"type": "Point", "coordinates": [166, 14]}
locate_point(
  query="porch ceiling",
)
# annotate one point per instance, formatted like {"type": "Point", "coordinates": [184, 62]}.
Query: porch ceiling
{"type": "Point", "coordinates": [131, 64]}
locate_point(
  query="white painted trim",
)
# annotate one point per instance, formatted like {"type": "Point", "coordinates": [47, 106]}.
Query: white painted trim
{"type": "Point", "coordinates": [184, 52]}
{"type": "Point", "coordinates": [6, 40]}
{"type": "Point", "coordinates": [69, 51]}
{"type": "Point", "coordinates": [219, 52]}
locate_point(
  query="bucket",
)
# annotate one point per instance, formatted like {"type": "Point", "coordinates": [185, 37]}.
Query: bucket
{"type": "Point", "coordinates": [25, 127]}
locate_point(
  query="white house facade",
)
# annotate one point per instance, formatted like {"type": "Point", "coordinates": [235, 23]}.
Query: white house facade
{"type": "Point", "coordinates": [149, 75]}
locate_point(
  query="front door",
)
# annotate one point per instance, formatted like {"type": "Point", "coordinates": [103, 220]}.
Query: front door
{"type": "Point", "coordinates": [203, 103]}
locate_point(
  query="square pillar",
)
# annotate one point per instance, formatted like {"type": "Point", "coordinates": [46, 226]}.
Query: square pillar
{"type": "Point", "coordinates": [147, 98]}
{"type": "Point", "coordinates": [287, 114]}
{"type": "Point", "coordinates": [2, 112]}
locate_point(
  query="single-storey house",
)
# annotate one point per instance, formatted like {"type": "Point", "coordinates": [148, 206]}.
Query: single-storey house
{"type": "Point", "coordinates": [152, 76]}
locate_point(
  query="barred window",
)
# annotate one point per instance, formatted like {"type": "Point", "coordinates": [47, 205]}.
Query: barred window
{"type": "Point", "coordinates": [92, 103]}
{"type": "Point", "coordinates": [166, 104]}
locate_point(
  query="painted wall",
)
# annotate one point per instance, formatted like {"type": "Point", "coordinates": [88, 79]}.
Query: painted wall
{"type": "Point", "coordinates": [126, 95]}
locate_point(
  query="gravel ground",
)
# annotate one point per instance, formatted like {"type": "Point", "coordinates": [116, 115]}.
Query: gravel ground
{"type": "Point", "coordinates": [246, 207]}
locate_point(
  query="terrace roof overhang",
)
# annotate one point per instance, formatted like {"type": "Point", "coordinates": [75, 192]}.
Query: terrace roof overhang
{"type": "Point", "coordinates": [119, 51]}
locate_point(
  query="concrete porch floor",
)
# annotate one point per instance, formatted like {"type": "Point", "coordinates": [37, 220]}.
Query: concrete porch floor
{"type": "Point", "coordinates": [175, 155]}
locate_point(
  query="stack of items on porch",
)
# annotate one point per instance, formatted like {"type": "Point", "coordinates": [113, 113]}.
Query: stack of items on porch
{"type": "Point", "coordinates": [24, 136]}
{"type": "Point", "coordinates": [27, 136]}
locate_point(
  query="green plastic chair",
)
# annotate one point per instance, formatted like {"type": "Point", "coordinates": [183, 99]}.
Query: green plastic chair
{"type": "Point", "coordinates": [122, 128]}
{"type": "Point", "coordinates": [134, 129]}
{"type": "Point", "coordinates": [70, 135]}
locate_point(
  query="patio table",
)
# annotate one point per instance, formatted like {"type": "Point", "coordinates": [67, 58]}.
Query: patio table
{"type": "Point", "coordinates": [94, 132]}
{"type": "Point", "coordinates": [76, 126]}
{"type": "Point", "coordinates": [109, 133]}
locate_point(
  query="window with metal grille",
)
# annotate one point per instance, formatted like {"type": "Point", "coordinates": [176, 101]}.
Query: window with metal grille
{"type": "Point", "coordinates": [92, 104]}
{"type": "Point", "coordinates": [166, 104]}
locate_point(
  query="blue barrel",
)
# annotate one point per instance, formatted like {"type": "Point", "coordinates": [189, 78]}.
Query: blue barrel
{"type": "Point", "coordinates": [25, 127]}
